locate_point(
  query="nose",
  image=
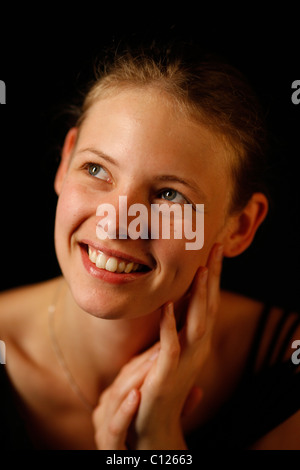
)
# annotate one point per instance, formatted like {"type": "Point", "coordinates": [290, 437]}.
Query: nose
{"type": "Point", "coordinates": [123, 217]}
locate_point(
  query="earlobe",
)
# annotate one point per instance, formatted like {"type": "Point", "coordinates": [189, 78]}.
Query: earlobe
{"type": "Point", "coordinates": [243, 226]}
{"type": "Point", "coordinates": [69, 145]}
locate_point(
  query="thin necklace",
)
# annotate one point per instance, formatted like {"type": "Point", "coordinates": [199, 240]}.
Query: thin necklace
{"type": "Point", "coordinates": [61, 359]}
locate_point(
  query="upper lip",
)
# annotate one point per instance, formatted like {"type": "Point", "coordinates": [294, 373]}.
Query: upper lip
{"type": "Point", "coordinates": [117, 254]}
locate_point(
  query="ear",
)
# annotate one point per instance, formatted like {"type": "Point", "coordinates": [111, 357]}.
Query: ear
{"type": "Point", "coordinates": [68, 147]}
{"type": "Point", "coordinates": [242, 227]}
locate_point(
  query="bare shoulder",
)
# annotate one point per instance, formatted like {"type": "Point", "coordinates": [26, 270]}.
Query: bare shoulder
{"type": "Point", "coordinates": [235, 328]}
{"type": "Point", "coordinates": [283, 437]}
{"type": "Point", "coordinates": [238, 317]}
{"type": "Point", "coordinates": [233, 304]}
{"type": "Point", "coordinates": [20, 307]}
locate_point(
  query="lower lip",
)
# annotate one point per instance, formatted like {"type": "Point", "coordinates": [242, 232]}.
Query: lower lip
{"type": "Point", "coordinates": [107, 276]}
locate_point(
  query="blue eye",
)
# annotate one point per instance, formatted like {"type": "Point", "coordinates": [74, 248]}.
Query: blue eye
{"type": "Point", "coordinates": [97, 171]}
{"type": "Point", "coordinates": [172, 195]}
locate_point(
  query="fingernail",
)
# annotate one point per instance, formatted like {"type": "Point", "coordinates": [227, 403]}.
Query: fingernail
{"type": "Point", "coordinates": [170, 308]}
{"type": "Point", "coordinates": [219, 253]}
{"type": "Point", "coordinates": [203, 276]}
{"type": "Point", "coordinates": [154, 355]}
{"type": "Point", "coordinates": [131, 397]}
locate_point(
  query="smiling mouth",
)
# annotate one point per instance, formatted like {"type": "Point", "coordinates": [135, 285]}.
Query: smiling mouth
{"type": "Point", "coordinates": [114, 264]}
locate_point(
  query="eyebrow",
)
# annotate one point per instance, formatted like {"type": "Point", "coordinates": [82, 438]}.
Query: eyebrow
{"type": "Point", "coordinates": [186, 182]}
{"type": "Point", "coordinates": [101, 155]}
{"type": "Point", "coordinates": [168, 178]}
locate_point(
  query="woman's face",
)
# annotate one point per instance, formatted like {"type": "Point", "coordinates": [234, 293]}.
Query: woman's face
{"type": "Point", "coordinates": [136, 144]}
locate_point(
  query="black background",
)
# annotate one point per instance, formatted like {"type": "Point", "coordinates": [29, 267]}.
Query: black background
{"type": "Point", "coordinates": [45, 58]}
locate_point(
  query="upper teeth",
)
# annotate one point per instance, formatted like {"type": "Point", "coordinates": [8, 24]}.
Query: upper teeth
{"type": "Point", "coordinates": [110, 263]}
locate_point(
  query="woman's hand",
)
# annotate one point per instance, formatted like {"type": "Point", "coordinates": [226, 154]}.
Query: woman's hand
{"type": "Point", "coordinates": [144, 405]}
{"type": "Point", "coordinates": [119, 402]}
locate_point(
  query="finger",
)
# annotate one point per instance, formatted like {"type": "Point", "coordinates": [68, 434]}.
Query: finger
{"type": "Point", "coordinates": [127, 380]}
{"type": "Point", "coordinates": [197, 308]}
{"type": "Point", "coordinates": [205, 297]}
{"type": "Point", "coordinates": [115, 438]}
{"type": "Point", "coordinates": [131, 375]}
{"type": "Point", "coordinates": [214, 266]}
{"type": "Point", "coordinates": [145, 355]}
{"type": "Point", "coordinates": [120, 423]}
{"type": "Point", "coordinates": [169, 342]}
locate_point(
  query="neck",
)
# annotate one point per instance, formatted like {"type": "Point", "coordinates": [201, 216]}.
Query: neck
{"type": "Point", "coordinates": [95, 349]}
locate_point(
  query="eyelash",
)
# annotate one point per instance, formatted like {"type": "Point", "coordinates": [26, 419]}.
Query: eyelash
{"type": "Point", "coordinates": [87, 166]}
{"type": "Point", "coordinates": [178, 194]}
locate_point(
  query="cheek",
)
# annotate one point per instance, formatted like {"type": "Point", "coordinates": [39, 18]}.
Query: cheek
{"type": "Point", "coordinates": [178, 266]}
{"type": "Point", "coordinates": [74, 207]}
{"type": "Point", "coordinates": [190, 250]}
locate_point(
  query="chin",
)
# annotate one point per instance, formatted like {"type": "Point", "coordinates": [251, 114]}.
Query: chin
{"type": "Point", "coordinates": [97, 307]}
{"type": "Point", "coordinates": [108, 308]}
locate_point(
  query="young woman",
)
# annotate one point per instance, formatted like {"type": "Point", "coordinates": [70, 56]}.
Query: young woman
{"type": "Point", "coordinates": [135, 346]}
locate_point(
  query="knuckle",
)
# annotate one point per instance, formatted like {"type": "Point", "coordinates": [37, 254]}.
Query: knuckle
{"type": "Point", "coordinates": [158, 390]}
{"type": "Point", "coordinates": [199, 331]}
{"type": "Point", "coordinates": [113, 429]}
{"type": "Point", "coordinates": [173, 351]}
{"type": "Point", "coordinates": [156, 387]}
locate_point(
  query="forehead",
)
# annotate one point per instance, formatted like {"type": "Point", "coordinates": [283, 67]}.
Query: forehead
{"type": "Point", "coordinates": [156, 121]}
{"type": "Point", "coordinates": [150, 129]}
